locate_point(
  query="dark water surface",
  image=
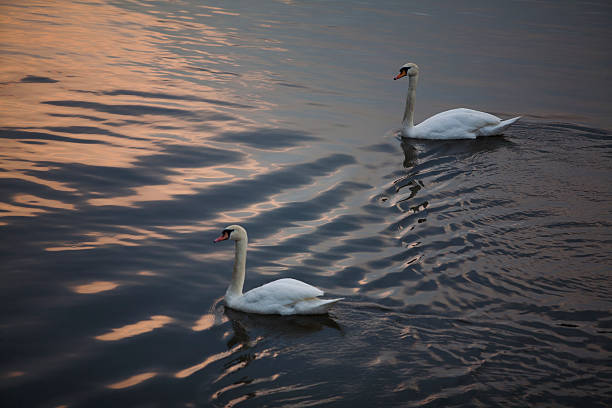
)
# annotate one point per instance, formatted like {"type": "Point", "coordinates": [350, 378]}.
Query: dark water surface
{"type": "Point", "coordinates": [475, 273]}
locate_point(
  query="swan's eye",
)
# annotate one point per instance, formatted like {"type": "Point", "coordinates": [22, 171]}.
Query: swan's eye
{"type": "Point", "coordinates": [228, 232]}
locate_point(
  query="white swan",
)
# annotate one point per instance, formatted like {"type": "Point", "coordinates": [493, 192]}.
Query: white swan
{"type": "Point", "coordinates": [283, 296]}
{"type": "Point", "coordinates": [459, 123]}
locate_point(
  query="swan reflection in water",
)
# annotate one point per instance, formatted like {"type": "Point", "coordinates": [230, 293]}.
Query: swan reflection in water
{"type": "Point", "coordinates": [262, 338]}
{"type": "Point", "coordinates": [294, 326]}
{"type": "Point", "coordinates": [457, 148]}
{"type": "Point", "coordinates": [411, 154]}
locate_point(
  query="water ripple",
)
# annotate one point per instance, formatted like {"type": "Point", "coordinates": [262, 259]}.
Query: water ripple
{"type": "Point", "coordinates": [475, 273]}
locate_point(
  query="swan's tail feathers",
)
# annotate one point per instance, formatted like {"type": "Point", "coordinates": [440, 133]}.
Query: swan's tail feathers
{"type": "Point", "coordinates": [506, 123]}
{"type": "Point", "coordinates": [315, 306]}
{"type": "Point", "coordinates": [330, 302]}
{"type": "Point", "coordinates": [496, 129]}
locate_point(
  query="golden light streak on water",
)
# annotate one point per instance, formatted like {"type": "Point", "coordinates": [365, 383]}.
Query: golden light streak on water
{"type": "Point", "coordinates": [136, 329]}
{"type": "Point", "coordinates": [95, 287]}
{"type": "Point", "coordinates": [211, 359]}
{"type": "Point", "coordinates": [132, 381]}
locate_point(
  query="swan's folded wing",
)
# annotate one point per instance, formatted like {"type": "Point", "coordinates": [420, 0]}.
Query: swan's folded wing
{"type": "Point", "coordinates": [282, 291]}
{"type": "Point", "coordinates": [460, 123]}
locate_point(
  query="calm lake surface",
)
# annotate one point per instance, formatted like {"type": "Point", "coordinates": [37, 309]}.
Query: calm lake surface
{"type": "Point", "coordinates": [475, 273]}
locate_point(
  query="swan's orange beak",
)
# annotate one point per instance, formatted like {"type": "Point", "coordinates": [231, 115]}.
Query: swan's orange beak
{"type": "Point", "coordinates": [223, 237]}
{"type": "Point", "coordinates": [400, 75]}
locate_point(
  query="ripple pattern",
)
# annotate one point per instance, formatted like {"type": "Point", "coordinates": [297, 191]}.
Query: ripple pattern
{"type": "Point", "coordinates": [475, 273]}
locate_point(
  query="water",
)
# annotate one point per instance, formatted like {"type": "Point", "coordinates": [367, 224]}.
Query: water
{"type": "Point", "coordinates": [476, 273]}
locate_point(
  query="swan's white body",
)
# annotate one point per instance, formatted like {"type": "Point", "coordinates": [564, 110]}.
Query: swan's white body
{"type": "Point", "coordinates": [284, 296]}
{"type": "Point", "coordinates": [459, 123]}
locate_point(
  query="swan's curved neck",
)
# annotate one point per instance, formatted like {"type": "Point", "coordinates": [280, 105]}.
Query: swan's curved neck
{"type": "Point", "coordinates": [408, 121]}
{"type": "Point", "coordinates": [235, 287]}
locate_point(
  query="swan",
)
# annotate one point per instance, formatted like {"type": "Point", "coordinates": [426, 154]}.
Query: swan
{"type": "Point", "coordinates": [283, 296]}
{"type": "Point", "coordinates": [459, 123]}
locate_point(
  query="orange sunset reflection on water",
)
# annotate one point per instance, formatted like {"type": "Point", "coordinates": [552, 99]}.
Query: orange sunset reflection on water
{"type": "Point", "coordinates": [132, 381]}
{"type": "Point", "coordinates": [135, 329]}
{"type": "Point", "coordinates": [124, 100]}
{"type": "Point", "coordinates": [95, 287]}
